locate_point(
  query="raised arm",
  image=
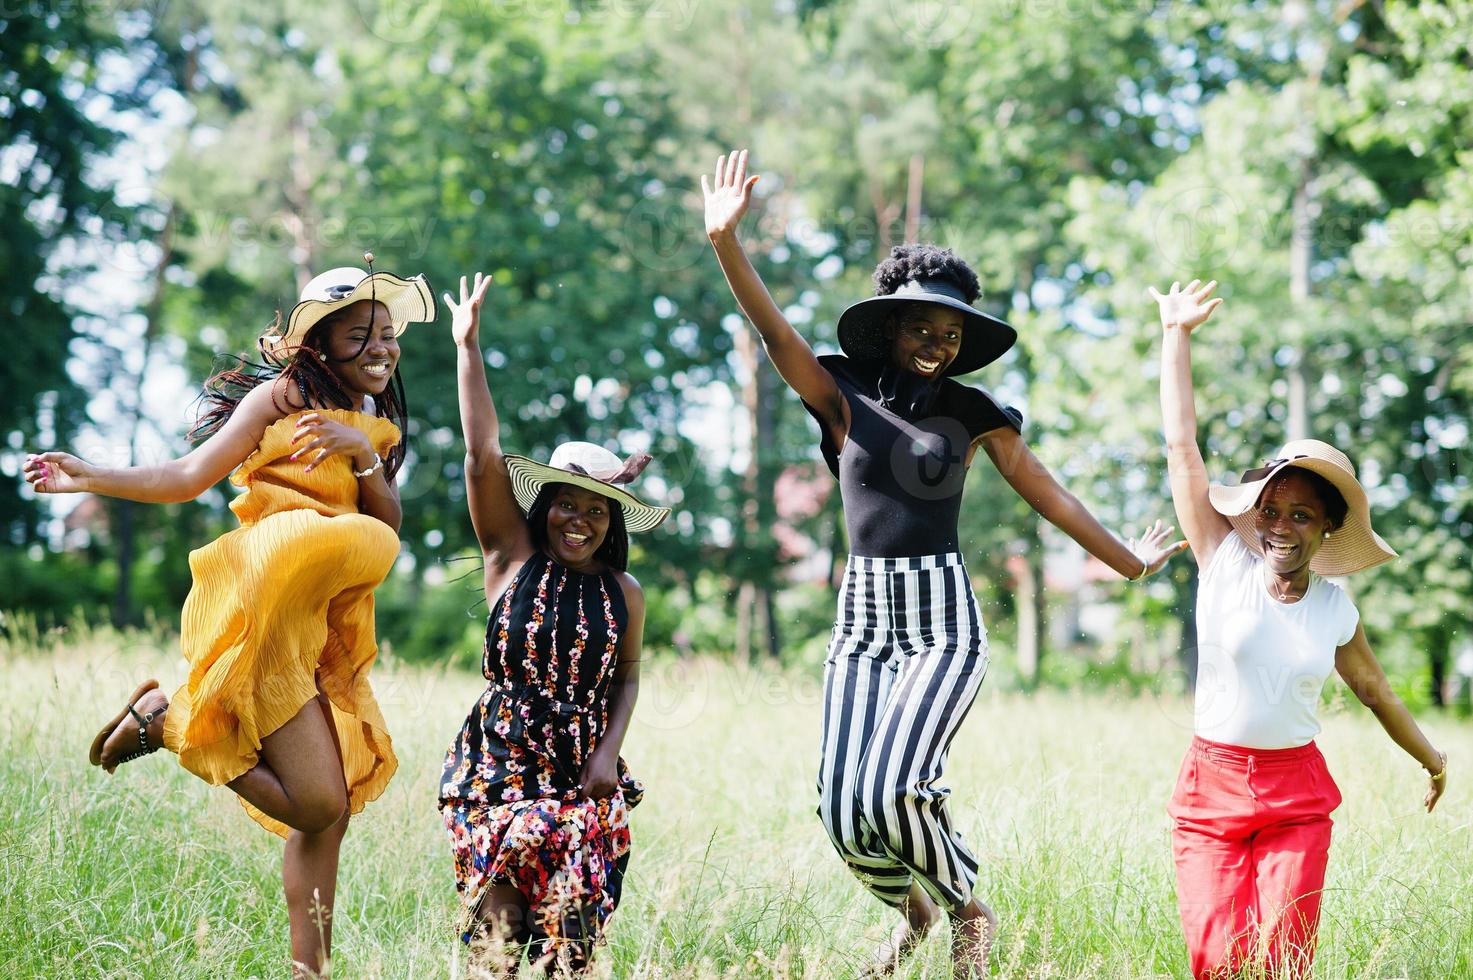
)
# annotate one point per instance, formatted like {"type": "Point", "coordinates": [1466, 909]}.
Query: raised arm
{"type": "Point", "coordinates": [1358, 667]}
{"type": "Point", "coordinates": [1033, 482]}
{"type": "Point", "coordinates": [728, 195]}
{"type": "Point", "coordinates": [172, 481]}
{"type": "Point", "coordinates": [1182, 311]}
{"type": "Point", "coordinates": [500, 527]}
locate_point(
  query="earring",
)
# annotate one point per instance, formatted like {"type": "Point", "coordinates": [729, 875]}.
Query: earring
{"type": "Point", "coordinates": [321, 356]}
{"type": "Point", "coordinates": [1327, 534]}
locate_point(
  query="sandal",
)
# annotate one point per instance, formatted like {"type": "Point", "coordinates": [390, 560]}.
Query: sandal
{"type": "Point", "coordinates": [94, 755]}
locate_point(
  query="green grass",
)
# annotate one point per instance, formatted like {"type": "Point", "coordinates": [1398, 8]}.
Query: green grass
{"type": "Point", "coordinates": [153, 874]}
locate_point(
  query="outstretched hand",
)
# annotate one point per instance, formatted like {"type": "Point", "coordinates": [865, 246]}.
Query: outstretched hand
{"type": "Point", "coordinates": [466, 315]}
{"type": "Point", "coordinates": [1152, 548]}
{"type": "Point", "coordinates": [729, 193]}
{"type": "Point", "coordinates": [1186, 308]}
{"type": "Point", "coordinates": [56, 473]}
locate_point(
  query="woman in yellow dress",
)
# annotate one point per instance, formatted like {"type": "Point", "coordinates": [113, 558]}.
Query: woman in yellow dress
{"type": "Point", "coordinates": [278, 627]}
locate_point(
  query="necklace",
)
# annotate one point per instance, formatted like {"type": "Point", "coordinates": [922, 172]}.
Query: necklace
{"type": "Point", "coordinates": [1280, 594]}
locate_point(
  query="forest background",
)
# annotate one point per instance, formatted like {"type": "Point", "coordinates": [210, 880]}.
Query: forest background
{"type": "Point", "coordinates": [172, 172]}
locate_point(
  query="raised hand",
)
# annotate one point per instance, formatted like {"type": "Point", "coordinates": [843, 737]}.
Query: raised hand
{"type": "Point", "coordinates": [1186, 308]}
{"type": "Point", "coordinates": [466, 315]}
{"type": "Point", "coordinates": [728, 194]}
{"type": "Point", "coordinates": [1152, 548]}
{"type": "Point", "coordinates": [57, 473]}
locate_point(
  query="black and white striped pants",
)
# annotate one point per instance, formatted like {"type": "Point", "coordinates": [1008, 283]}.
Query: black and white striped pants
{"type": "Point", "coordinates": [906, 660]}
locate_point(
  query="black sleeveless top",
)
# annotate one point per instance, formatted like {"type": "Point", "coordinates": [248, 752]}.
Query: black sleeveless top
{"type": "Point", "coordinates": [903, 465]}
{"type": "Point", "coordinates": [552, 640]}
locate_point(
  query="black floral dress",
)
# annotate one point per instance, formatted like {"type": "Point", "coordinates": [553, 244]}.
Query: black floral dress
{"type": "Point", "coordinates": [510, 791]}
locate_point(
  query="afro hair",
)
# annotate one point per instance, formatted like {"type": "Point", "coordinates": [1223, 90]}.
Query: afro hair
{"type": "Point", "coordinates": [907, 262]}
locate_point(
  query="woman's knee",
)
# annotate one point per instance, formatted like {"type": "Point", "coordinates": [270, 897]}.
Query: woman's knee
{"type": "Point", "coordinates": [321, 811]}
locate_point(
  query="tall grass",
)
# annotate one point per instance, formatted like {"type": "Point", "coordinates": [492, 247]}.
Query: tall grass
{"type": "Point", "coordinates": [153, 874]}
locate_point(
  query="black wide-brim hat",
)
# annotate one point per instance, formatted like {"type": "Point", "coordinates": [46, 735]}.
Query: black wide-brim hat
{"type": "Point", "coordinates": [985, 338]}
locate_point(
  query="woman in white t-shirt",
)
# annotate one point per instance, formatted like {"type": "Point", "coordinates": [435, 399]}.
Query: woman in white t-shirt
{"type": "Point", "coordinates": [1253, 800]}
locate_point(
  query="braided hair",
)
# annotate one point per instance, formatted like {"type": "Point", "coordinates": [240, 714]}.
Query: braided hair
{"type": "Point", "coordinates": [303, 366]}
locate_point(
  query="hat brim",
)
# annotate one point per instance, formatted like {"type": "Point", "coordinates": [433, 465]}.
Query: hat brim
{"type": "Point", "coordinates": [528, 477]}
{"type": "Point", "coordinates": [1352, 547]}
{"type": "Point", "coordinates": [985, 338]}
{"type": "Point", "coordinates": [408, 301]}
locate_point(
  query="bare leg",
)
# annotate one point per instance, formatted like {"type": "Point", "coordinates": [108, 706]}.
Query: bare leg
{"type": "Point", "coordinates": [309, 865]}
{"type": "Point", "coordinates": [309, 876]}
{"type": "Point", "coordinates": [972, 928]}
{"type": "Point", "coordinates": [921, 913]}
{"type": "Point", "coordinates": [503, 929]}
{"type": "Point", "coordinates": [299, 779]}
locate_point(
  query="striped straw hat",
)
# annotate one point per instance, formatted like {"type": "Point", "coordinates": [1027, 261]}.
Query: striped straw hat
{"type": "Point", "coordinates": [591, 467]}
{"type": "Point", "coordinates": [1352, 547]}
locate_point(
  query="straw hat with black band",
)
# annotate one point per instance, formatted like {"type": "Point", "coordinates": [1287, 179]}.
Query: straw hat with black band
{"type": "Point", "coordinates": [863, 333]}
{"type": "Point", "coordinates": [1351, 547]}
{"type": "Point", "coordinates": [408, 301]}
{"type": "Point", "coordinates": [592, 467]}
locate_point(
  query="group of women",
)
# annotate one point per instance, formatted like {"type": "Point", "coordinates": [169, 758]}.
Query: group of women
{"type": "Point", "coordinates": [279, 636]}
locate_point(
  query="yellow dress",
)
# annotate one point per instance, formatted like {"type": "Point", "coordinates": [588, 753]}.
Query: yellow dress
{"type": "Point", "coordinates": [279, 604]}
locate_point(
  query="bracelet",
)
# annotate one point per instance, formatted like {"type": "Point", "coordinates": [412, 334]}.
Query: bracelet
{"type": "Point", "coordinates": [1441, 773]}
{"type": "Point", "coordinates": [377, 462]}
{"type": "Point", "coordinates": [1144, 568]}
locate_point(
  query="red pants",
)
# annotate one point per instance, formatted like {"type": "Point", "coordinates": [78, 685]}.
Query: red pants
{"type": "Point", "coordinates": [1251, 841]}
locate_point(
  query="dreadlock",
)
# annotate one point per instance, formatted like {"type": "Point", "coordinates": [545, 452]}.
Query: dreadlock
{"type": "Point", "coordinates": [314, 379]}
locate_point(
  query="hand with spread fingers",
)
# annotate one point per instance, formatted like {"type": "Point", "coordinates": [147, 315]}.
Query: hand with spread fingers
{"type": "Point", "coordinates": [57, 473]}
{"type": "Point", "coordinates": [1186, 308]}
{"type": "Point", "coordinates": [1152, 549]}
{"type": "Point", "coordinates": [328, 438]}
{"type": "Point", "coordinates": [728, 194]}
{"type": "Point", "coordinates": [465, 321]}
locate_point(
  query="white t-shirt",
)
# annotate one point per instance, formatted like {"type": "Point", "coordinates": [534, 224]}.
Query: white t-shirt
{"type": "Point", "coordinates": [1261, 663]}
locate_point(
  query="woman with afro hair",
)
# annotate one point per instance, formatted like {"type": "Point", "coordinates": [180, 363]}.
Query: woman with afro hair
{"type": "Point", "coordinates": [909, 648]}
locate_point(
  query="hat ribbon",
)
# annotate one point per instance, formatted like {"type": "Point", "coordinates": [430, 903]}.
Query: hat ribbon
{"type": "Point", "coordinates": [1259, 472]}
{"type": "Point", "coordinates": [632, 467]}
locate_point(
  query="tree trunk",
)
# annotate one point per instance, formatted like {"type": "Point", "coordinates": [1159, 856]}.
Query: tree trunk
{"type": "Point", "coordinates": [913, 198]}
{"type": "Point", "coordinates": [1027, 598]}
{"type": "Point", "coordinates": [1301, 248]}
{"type": "Point", "coordinates": [124, 526]}
{"type": "Point", "coordinates": [1439, 644]}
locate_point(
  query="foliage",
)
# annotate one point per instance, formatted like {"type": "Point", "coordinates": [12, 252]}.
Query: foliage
{"type": "Point", "coordinates": [1074, 153]}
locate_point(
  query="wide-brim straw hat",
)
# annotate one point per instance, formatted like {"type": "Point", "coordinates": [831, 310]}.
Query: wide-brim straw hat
{"type": "Point", "coordinates": [592, 467]}
{"type": "Point", "coordinates": [408, 301]}
{"type": "Point", "coordinates": [1351, 547]}
{"type": "Point", "coordinates": [985, 338]}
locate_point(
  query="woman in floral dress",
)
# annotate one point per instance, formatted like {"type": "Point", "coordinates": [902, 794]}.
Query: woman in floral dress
{"type": "Point", "coordinates": [534, 794]}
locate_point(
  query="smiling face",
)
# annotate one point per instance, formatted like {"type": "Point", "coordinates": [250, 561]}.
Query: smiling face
{"type": "Point", "coordinates": [1291, 521]}
{"type": "Point", "coordinates": [925, 338]}
{"type": "Point", "coordinates": [577, 523]}
{"type": "Point", "coordinates": [361, 348]}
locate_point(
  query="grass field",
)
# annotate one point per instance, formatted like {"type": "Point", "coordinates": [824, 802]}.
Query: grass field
{"type": "Point", "coordinates": [153, 874]}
